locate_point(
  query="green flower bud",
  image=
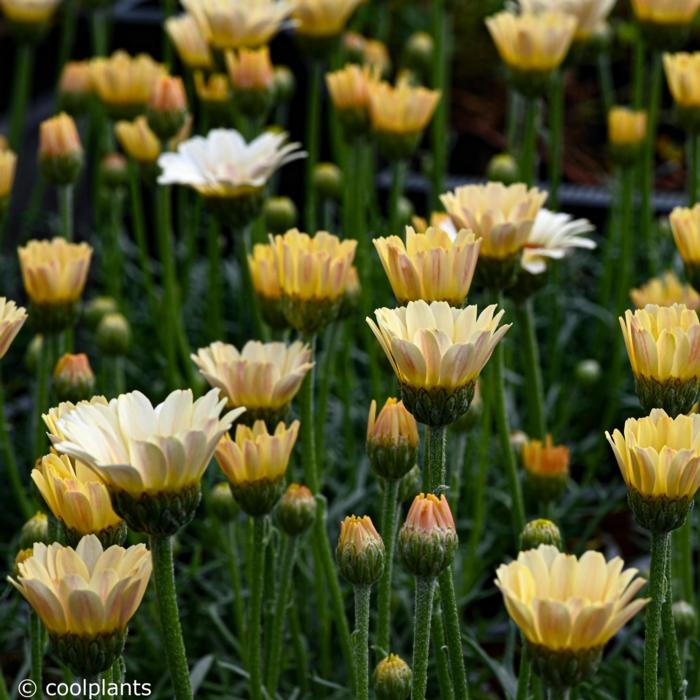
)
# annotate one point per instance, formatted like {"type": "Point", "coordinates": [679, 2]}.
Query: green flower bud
{"type": "Point", "coordinates": [96, 309]}
{"type": "Point", "coordinates": [538, 532]}
{"type": "Point", "coordinates": [296, 510]}
{"type": "Point", "coordinates": [410, 484]}
{"type": "Point", "coordinates": [222, 503]}
{"type": "Point", "coordinates": [280, 214]}
{"type": "Point", "coordinates": [686, 619]}
{"type": "Point", "coordinates": [360, 551]}
{"type": "Point", "coordinates": [36, 529]}
{"type": "Point", "coordinates": [392, 679]}
{"type": "Point", "coordinates": [114, 334]}
{"type": "Point", "coordinates": [588, 372]}
{"type": "Point", "coordinates": [31, 357]}
{"type": "Point", "coordinates": [503, 168]}
{"type": "Point", "coordinates": [284, 84]}
{"type": "Point", "coordinates": [328, 180]}
{"type": "Point", "coordinates": [418, 52]}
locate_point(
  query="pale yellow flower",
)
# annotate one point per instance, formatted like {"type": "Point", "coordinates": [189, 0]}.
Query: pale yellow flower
{"type": "Point", "coordinates": [435, 345]}
{"type": "Point", "coordinates": [250, 69]}
{"type": "Point", "coordinates": [29, 11]}
{"type": "Point", "coordinates": [626, 127]}
{"type": "Point", "coordinates": [349, 87]}
{"type": "Point", "coordinates": [564, 603]}
{"type": "Point", "coordinates": [87, 591]}
{"type": "Point", "coordinates": [8, 164]}
{"type": "Point", "coordinates": [190, 45]}
{"type": "Point", "coordinates": [685, 223]}
{"type": "Point", "coordinates": [683, 78]}
{"type": "Point", "coordinates": [54, 272]}
{"type": "Point", "coordinates": [591, 15]}
{"type": "Point", "coordinates": [400, 109]}
{"type": "Point", "coordinates": [430, 266]}
{"type": "Point", "coordinates": [501, 215]}
{"type": "Point", "coordinates": [12, 318]}
{"type": "Point", "coordinates": [665, 12]}
{"type": "Point", "coordinates": [529, 42]}
{"type": "Point", "coordinates": [663, 342]}
{"type": "Point", "coordinates": [665, 291]}
{"type": "Point", "coordinates": [259, 376]}
{"type": "Point", "coordinates": [659, 456]}
{"type": "Point", "coordinates": [263, 270]}
{"type": "Point", "coordinates": [323, 18]}
{"type": "Point", "coordinates": [75, 495]}
{"type": "Point", "coordinates": [138, 140]}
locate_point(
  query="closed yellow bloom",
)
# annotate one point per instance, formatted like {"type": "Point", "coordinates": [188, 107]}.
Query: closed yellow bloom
{"type": "Point", "coordinates": [665, 291]}
{"type": "Point", "coordinates": [263, 270]}
{"type": "Point", "coordinates": [263, 377]}
{"type": "Point", "coordinates": [349, 88]}
{"type": "Point", "coordinates": [190, 45]}
{"type": "Point", "coordinates": [543, 458]}
{"type": "Point", "coordinates": [360, 551]}
{"type": "Point", "coordinates": [665, 12]}
{"type": "Point", "coordinates": [393, 426]}
{"type": "Point", "coordinates": [234, 24]}
{"type": "Point", "coordinates": [138, 140]}
{"type": "Point", "coordinates": [568, 604]}
{"type": "Point", "coordinates": [323, 18]}
{"type": "Point", "coordinates": [659, 456]}
{"type": "Point", "coordinates": [29, 12]}
{"type": "Point", "coordinates": [75, 495]}
{"type": "Point", "coordinates": [124, 83]}
{"type": "Point", "coordinates": [532, 43]}
{"type": "Point", "coordinates": [402, 109]}
{"type": "Point", "coordinates": [8, 164]}
{"type": "Point", "coordinates": [429, 266]}
{"type": "Point", "coordinates": [435, 345]}
{"type": "Point", "coordinates": [214, 88]}
{"type": "Point", "coordinates": [250, 69]}
{"type": "Point", "coordinates": [54, 272]}
{"type": "Point", "coordinates": [12, 318]}
{"type": "Point", "coordinates": [663, 342]}
{"type": "Point", "coordinates": [501, 215]}
{"type": "Point", "coordinates": [683, 78]}
{"type": "Point", "coordinates": [626, 127]}
{"type": "Point", "coordinates": [58, 137]}
{"type": "Point", "coordinates": [88, 591]}
{"type": "Point", "coordinates": [685, 223]}
{"type": "Point", "coordinates": [76, 78]}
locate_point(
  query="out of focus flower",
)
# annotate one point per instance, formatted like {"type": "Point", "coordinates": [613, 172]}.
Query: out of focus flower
{"type": "Point", "coordinates": [252, 78]}
{"type": "Point", "coordinates": [189, 43]}
{"type": "Point", "coordinates": [54, 274]}
{"type": "Point", "coordinates": [263, 270]}
{"type": "Point", "coordinates": [685, 223]}
{"type": "Point", "coordinates": [431, 266]}
{"type": "Point", "coordinates": [428, 538]}
{"type": "Point", "coordinates": [12, 318]}
{"type": "Point", "coordinates": [547, 468]}
{"type": "Point", "coordinates": [591, 15]}
{"type": "Point", "coordinates": [29, 17]}
{"type": "Point", "coordinates": [392, 439]}
{"type": "Point", "coordinates": [235, 24]}
{"type": "Point", "coordinates": [663, 345]}
{"type": "Point", "coordinates": [360, 551]}
{"type": "Point", "coordinates": [60, 150]}
{"type": "Point", "coordinates": [263, 377]}
{"type": "Point", "coordinates": [296, 511]}
{"type": "Point", "coordinates": [280, 214]}
{"type": "Point", "coordinates": [36, 529]}
{"type": "Point", "coordinates": [167, 106]}
{"type": "Point", "coordinates": [85, 597]}
{"type": "Point", "coordinates": [670, 14]}
{"type": "Point", "coordinates": [532, 45]}
{"type": "Point", "coordinates": [138, 140]}
{"type": "Point", "coordinates": [124, 83]}
{"type": "Point", "coordinates": [627, 131]}
{"type": "Point", "coordinates": [313, 273]}
{"type": "Point", "coordinates": [659, 458]}
{"type": "Point", "coordinates": [328, 181]}
{"type": "Point", "coordinates": [8, 164]}
{"type": "Point", "coordinates": [683, 78]}
{"type": "Point", "coordinates": [113, 334]}
{"type": "Point", "coordinates": [437, 353]}
{"type": "Point", "coordinates": [349, 88]}
{"type": "Point", "coordinates": [255, 463]}
{"type": "Point", "coordinates": [151, 458]}
{"type": "Point", "coordinates": [284, 84]}
{"type": "Point", "coordinates": [665, 291]}
{"type": "Point", "coordinates": [568, 608]}
{"type": "Point", "coordinates": [322, 19]}
{"type": "Point", "coordinates": [78, 500]}
{"type": "Point", "coordinates": [113, 172]}
{"type": "Point", "coordinates": [75, 87]}
{"type": "Point", "coordinates": [213, 90]}
{"type": "Point", "coordinates": [73, 378]}
{"type": "Point", "coordinates": [503, 167]}
{"type": "Point", "coordinates": [399, 115]}
{"type": "Point", "coordinates": [228, 172]}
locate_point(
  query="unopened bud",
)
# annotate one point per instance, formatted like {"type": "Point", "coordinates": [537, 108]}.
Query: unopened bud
{"type": "Point", "coordinates": [418, 53]}
{"type": "Point", "coordinates": [280, 214]}
{"type": "Point", "coordinates": [284, 84]}
{"type": "Point", "coordinates": [75, 87]}
{"type": "Point", "coordinates": [392, 439]}
{"type": "Point", "coordinates": [96, 309]}
{"type": "Point", "coordinates": [360, 551]}
{"type": "Point", "coordinates": [503, 168]}
{"type": "Point", "coordinates": [60, 150]}
{"type": "Point", "coordinates": [73, 378]}
{"type": "Point", "coordinates": [114, 171]}
{"type": "Point", "coordinates": [167, 108]}
{"type": "Point", "coordinates": [686, 619]}
{"type": "Point", "coordinates": [114, 334]}
{"type": "Point", "coordinates": [410, 484]}
{"type": "Point", "coordinates": [588, 372]}
{"type": "Point", "coordinates": [296, 510]}
{"type": "Point", "coordinates": [222, 503]}
{"type": "Point", "coordinates": [328, 180]}
{"type": "Point", "coordinates": [538, 532]}
{"type": "Point", "coordinates": [36, 529]}
{"type": "Point", "coordinates": [392, 679]}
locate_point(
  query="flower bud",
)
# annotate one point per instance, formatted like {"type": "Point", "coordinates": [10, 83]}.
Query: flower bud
{"type": "Point", "coordinates": [114, 334]}
{"type": "Point", "coordinates": [167, 107]}
{"type": "Point", "coordinates": [75, 88]}
{"type": "Point", "coordinates": [296, 510]}
{"type": "Point", "coordinates": [96, 309]}
{"type": "Point", "coordinates": [546, 467]}
{"type": "Point", "coordinates": [284, 84]}
{"type": "Point", "coordinates": [60, 150]}
{"type": "Point", "coordinates": [31, 357]}
{"type": "Point", "coordinates": [473, 415]}
{"type": "Point", "coordinates": [328, 181]}
{"type": "Point", "coordinates": [280, 214]}
{"type": "Point", "coordinates": [360, 551]}
{"type": "Point", "coordinates": [588, 372]}
{"type": "Point", "coordinates": [410, 484]}
{"type": "Point", "coordinates": [392, 439]}
{"type": "Point", "coordinates": [36, 529]}
{"type": "Point", "coordinates": [252, 79]}
{"type": "Point", "coordinates": [503, 168]}
{"type": "Point", "coordinates": [21, 556]}
{"type": "Point", "coordinates": [686, 620]}
{"type": "Point", "coordinates": [538, 532]}
{"type": "Point", "coordinates": [73, 378]}
{"type": "Point", "coordinates": [114, 171]}
{"type": "Point", "coordinates": [8, 164]}
{"type": "Point", "coordinates": [428, 537]}
{"type": "Point", "coordinates": [418, 53]}
{"type": "Point", "coordinates": [222, 503]}
{"type": "Point", "coordinates": [392, 679]}
{"type": "Point", "coordinates": [627, 132]}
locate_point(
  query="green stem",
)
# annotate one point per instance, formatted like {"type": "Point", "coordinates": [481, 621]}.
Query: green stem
{"type": "Point", "coordinates": [529, 147]}
{"type": "Point", "coordinates": [99, 32]}
{"type": "Point", "coordinates": [36, 637]}
{"type": "Point", "coordinates": [67, 34]}
{"type": "Point", "coordinates": [425, 590]}
{"type": "Point", "coordinates": [44, 367]}
{"type": "Point", "coordinates": [215, 309]}
{"type": "Point", "coordinates": [638, 72]}
{"type": "Point", "coordinates": [228, 535]}
{"type": "Point", "coordinates": [533, 370]}
{"type": "Point", "coordinates": [274, 661]}
{"type": "Point", "coordinates": [301, 656]}
{"type": "Point", "coordinates": [112, 252]}
{"type": "Point", "coordinates": [255, 610]}
{"type": "Point", "coordinates": [389, 522]}
{"type": "Point", "coordinates": [692, 142]}
{"type": "Point", "coordinates": [164, 578]}
{"type": "Point", "coordinates": [308, 431]}
{"type": "Point", "coordinates": [4, 695]}
{"type": "Point", "coordinates": [21, 86]}
{"type": "Point", "coordinates": [361, 641]}
{"type": "Point", "coordinates": [327, 374]}
{"type": "Point", "coordinates": [440, 21]}
{"type": "Point", "coordinates": [18, 489]}
{"type": "Point", "coordinates": [683, 537]}
{"type": "Point", "coordinates": [453, 636]}
{"type": "Point", "coordinates": [499, 397]}
{"type": "Point", "coordinates": [398, 177]}
{"type": "Point", "coordinates": [442, 659]}
{"type": "Point", "coordinates": [607, 88]}
{"type": "Point", "coordinates": [675, 664]}
{"type": "Point", "coordinates": [242, 245]}
{"type": "Point", "coordinates": [659, 547]}
{"type": "Point", "coordinates": [556, 141]}
{"type": "Point", "coordinates": [434, 467]}
{"type": "Point", "coordinates": [168, 11]}
{"type": "Point", "coordinates": [524, 674]}
{"type": "Point", "coordinates": [65, 197]}
{"type": "Point", "coordinates": [313, 123]}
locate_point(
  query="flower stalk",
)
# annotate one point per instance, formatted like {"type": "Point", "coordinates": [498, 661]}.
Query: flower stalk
{"type": "Point", "coordinates": [361, 641]}
{"type": "Point", "coordinates": [440, 21]}
{"type": "Point", "coordinates": [21, 85]}
{"type": "Point", "coordinates": [255, 609]}
{"type": "Point", "coordinates": [313, 113]}
{"type": "Point", "coordinates": [533, 370]}
{"type": "Point", "coordinates": [668, 625]}
{"type": "Point", "coordinates": [659, 549]}
{"type": "Point", "coordinates": [36, 640]}
{"type": "Point", "coordinates": [65, 196]}
{"type": "Point", "coordinates": [425, 591]}
{"type": "Point", "coordinates": [389, 525]}
{"type": "Point", "coordinates": [692, 147]}
{"type": "Point", "coordinates": [529, 145]}
{"type": "Point", "coordinates": [556, 123]}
